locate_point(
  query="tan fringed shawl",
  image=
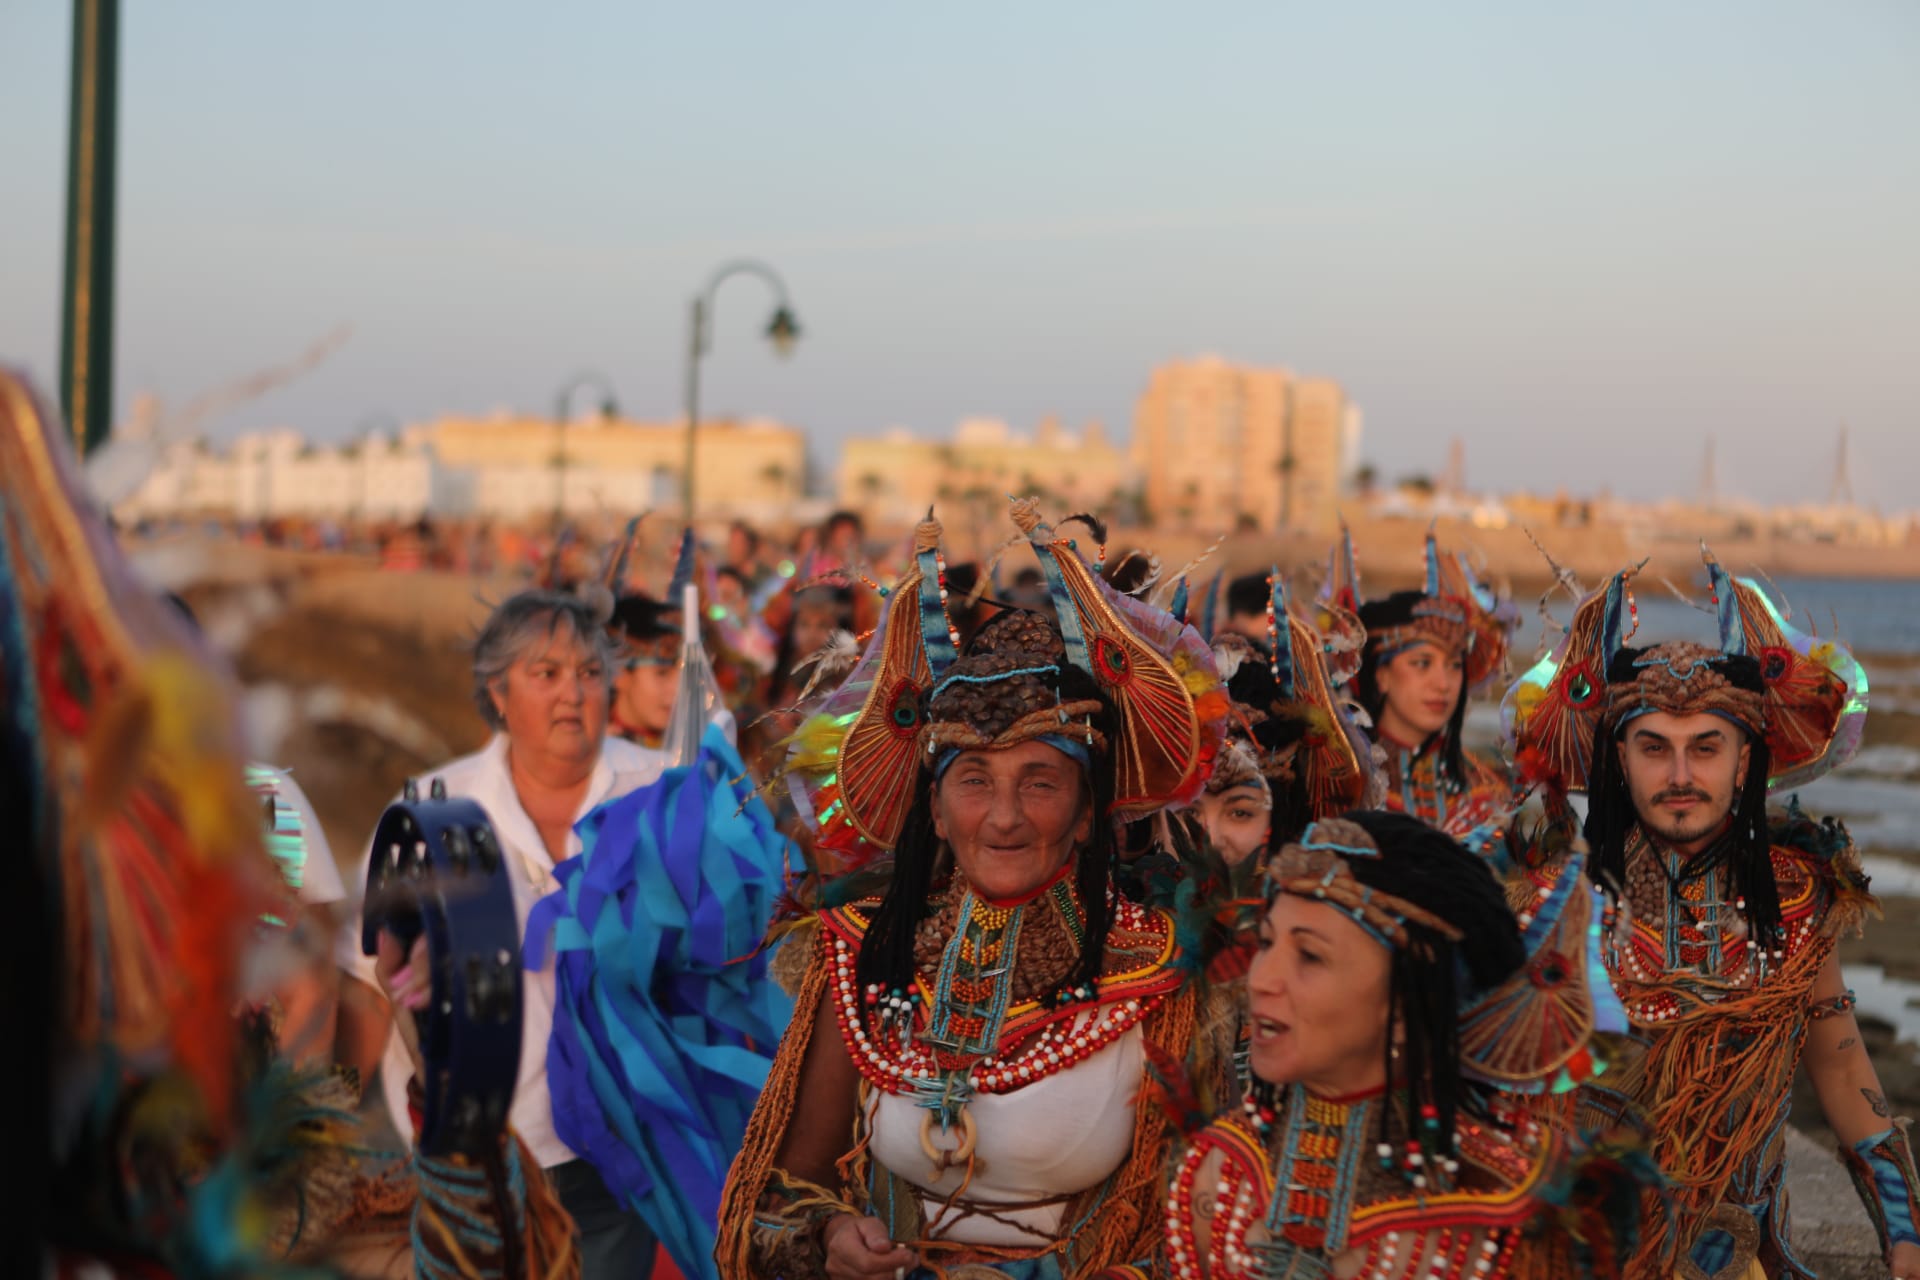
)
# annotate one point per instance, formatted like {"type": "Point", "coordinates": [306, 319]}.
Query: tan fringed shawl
{"type": "Point", "coordinates": [1122, 1220]}
{"type": "Point", "coordinates": [1711, 1081]}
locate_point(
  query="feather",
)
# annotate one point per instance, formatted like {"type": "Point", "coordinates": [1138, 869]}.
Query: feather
{"type": "Point", "coordinates": [1170, 1091]}
{"type": "Point", "coordinates": [1185, 572]}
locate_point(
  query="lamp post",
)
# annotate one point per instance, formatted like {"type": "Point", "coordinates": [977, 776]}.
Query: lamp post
{"type": "Point", "coordinates": [608, 408]}
{"type": "Point", "coordinates": [782, 330]}
{"type": "Point", "coordinates": [86, 319]}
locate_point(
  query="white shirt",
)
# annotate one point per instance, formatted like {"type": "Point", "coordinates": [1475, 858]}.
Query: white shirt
{"type": "Point", "coordinates": [484, 777]}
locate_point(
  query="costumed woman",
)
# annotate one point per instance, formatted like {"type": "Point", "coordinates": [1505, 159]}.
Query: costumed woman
{"type": "Point", "coordinates": [1722, 946]}
{"type": "Point", "coordinates": [1293, 751]}
{"type": "Point", "coordinates": [961, 1089]}
{"type": "Point", "coordinates": [1401, 1020]}
{"type": "Point", "coordinates": [162, 1135]}
{"type": "Point", "coordinates": [1428, 651]}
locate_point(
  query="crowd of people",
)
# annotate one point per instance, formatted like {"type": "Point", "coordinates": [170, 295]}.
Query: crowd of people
{"type": "Point", "coordinates": [1028, 918]}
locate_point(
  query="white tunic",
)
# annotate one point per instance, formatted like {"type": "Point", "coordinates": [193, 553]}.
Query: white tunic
{"type": "Point", "coordinates": [1061, 1134]}
{"type": "Point", "coordinates": [484, 777]}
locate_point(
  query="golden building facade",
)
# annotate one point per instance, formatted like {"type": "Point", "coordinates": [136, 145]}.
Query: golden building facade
{"type": "Point", "coordinates": [1220, 444]}
{"type": "Point", "coordinates": [755, 469]}
{"type": "Point", "coordinates": [893, 479]}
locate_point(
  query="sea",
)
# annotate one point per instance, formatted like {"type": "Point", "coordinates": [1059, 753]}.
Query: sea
{"type": "Point", "coordinates": [1872, 616]}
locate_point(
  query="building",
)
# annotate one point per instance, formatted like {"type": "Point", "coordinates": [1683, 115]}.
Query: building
{"type": "Point", "coordinates": [277, 474]}
{"type": "Point", "coordinates": [507, 468]}
{"type": "Point", "coordinates": [1222, 444]}
{"type": "Point", "coordinates": [523, 467]}
{"type": "Point", "coordinates": [893, 479]}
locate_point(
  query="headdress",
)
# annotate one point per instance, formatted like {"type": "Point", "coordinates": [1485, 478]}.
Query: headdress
{"type": "Point", "coordinates": [1806, 698]}
{"type": "Point", "coordinates": [1456, 610]}
{"type": "Point", "coordinates": [853, 765]}
{"type": "Point", "coordinates": [646, 631]}
{"type": "Point", "coordinates": [1315, 866]}
{"type": "Point", "coordinates": [1292, 722]}
{"type": "Point", "coordinates": [140, 814]}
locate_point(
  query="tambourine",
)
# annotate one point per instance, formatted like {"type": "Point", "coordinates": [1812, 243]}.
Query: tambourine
{"type": "Point", "coordinates": [438, 868]}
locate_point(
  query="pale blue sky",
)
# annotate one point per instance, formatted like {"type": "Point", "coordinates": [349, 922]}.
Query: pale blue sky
{"type": "Point", "coordinates": [1580, 237]}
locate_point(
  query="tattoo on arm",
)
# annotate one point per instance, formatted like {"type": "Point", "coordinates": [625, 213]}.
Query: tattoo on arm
{"type": "Point", "coordinates": [1845, 1045]}
{"type": "Point", "coordinates": [1876, 1100]}
{"type": "Point", "coordinates": [1203, 1207]}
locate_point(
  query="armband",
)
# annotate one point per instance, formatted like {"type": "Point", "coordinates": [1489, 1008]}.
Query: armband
{"type": "Point", "coordinates": [1883, 1174]}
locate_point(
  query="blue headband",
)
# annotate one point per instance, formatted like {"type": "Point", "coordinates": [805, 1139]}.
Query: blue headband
{"type": "Point", "coordinates": [1068, 747]}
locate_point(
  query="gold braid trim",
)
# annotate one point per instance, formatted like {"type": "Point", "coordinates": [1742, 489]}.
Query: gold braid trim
{"type": "Point", "coordinates": [1681, 679]}
{"type": "Point", "coordinates": [1692, 1081]}
{"type": "Point", "coordinates": [737, 1248]}
{"type": "Point", "coordinates": [1316, 867]}
{"type": "Point", "coordinates": [1035, 724]}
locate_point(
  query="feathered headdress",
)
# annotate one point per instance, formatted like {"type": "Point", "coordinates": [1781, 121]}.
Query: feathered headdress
{"type": "Point", "coordinates": [141, 815]}
{"type": "Point", "coordinates": [1157, 671]}
{"type": "Point", "coordinates": [1550, 712]}
{"type": "Point", "coordinates": [1456, 610]}
{"type": "Point", "coordinates": [1809, 703]}
{"type": "Point", "coordinates": [1288, 709]}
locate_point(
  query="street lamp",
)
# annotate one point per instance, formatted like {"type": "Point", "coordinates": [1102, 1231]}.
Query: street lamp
{"type": "Point", "coordinates": [608, 408]}
{"type": "Point", "coordinates": [782, 330]}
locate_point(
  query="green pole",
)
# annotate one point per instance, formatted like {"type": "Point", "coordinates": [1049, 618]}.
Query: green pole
{"type": "Point", "coordinates": [86, 320]}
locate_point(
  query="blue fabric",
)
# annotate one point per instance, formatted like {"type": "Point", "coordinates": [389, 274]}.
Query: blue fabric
{"type": "Point", "coordinates": [665, 1019]}
{"type": "Point", "coordinates": [1890, 1184]}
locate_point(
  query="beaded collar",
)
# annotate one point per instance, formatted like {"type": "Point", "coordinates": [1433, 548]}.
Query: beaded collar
{"type": "Point", "coordinates": [964, 1027]}
{"type": "Point", "coordinates": [1686, 929]}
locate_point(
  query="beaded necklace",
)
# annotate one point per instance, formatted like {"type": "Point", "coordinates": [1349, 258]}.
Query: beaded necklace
{"type": "Point", "coordinates": [940, 1040]}
{"type": "Point", "coordinates": [1313, 1188]}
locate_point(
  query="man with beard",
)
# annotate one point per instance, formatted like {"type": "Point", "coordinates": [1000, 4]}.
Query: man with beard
{"type": "Point", "coordinates": [1720, 939]}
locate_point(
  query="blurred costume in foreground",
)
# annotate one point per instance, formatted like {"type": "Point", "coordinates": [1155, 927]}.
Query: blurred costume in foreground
{"type": "Point", "coordinates": [1721, 939]}
{"type": "Point", "coordinates": [1440, 1169]}
{"type": "Point", "coordinates": [160, 1135]}
{"type": "Point", "coordinates": [1428, 652]}
{"type": "Point", "coordinates": [962, 1087]}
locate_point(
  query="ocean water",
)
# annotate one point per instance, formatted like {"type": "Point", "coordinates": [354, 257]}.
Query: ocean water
{"type": "Point", "coordinates": [1872, 616]}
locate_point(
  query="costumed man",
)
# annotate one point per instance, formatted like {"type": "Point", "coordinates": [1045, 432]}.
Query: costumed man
{"type": "Point", "coordinates": [963, 1088]}
{"type": "Point", "coordinates": [1722, 942]}
{"type": "Point", "coordinates": [1428, 651]}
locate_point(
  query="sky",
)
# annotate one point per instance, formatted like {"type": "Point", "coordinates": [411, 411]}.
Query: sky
{"type": "Point", "coordinates": [1581, 239]}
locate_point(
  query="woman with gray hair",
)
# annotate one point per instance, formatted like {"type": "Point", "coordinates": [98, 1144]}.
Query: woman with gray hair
{"type": "Point", "coordinates": [542, 675]}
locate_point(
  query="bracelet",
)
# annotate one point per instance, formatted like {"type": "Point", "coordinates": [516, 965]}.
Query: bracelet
{"type": "Point", "coordinates": [1883, 1174]}
{"type": "Point", "coordinates": [1831, 1008]}
{"type": "Point", "coordinates": [789, 1228]}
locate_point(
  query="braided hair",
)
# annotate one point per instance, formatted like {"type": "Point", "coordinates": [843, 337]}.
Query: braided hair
{"type": "Point", "coordinates": [1431, 977]}
{"type": "Point", "coordinates": [1377, 615]}
{"type": "Point", "coordinates": [1747, 848]}
{"type": "Point", "coordinates": [886, 954]}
